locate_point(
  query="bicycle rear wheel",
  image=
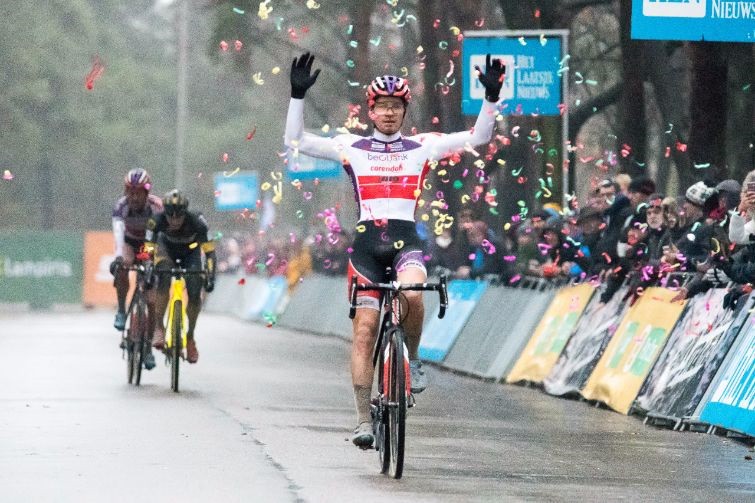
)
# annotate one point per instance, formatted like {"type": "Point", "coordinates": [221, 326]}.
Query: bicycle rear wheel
{"type": "Point", "coordinates": [175, 350]}
{"type": "Point", "coordinates": [397, 401]}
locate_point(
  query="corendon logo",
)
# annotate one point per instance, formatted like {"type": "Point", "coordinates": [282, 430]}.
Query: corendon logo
{"type": "Point", "coordinates": [387, 157]}
{"type": "Point", "coordinates": [391, 169]}
{"type": "Point", "coordinates": [674, 8]}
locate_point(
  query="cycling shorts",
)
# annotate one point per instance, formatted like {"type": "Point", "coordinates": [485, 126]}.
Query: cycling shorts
{"type": "Point", "coordinates": [391, 244]}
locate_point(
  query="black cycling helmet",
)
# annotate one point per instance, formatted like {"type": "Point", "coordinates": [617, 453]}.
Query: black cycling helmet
{"type": "Point", "coordinates": [175, 202]}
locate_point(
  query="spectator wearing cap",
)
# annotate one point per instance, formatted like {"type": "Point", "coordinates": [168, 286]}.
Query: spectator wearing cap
{"type": "Point", "coordinates": [695, 243]}
{"type": "Point", "coordinates": [742, 224]}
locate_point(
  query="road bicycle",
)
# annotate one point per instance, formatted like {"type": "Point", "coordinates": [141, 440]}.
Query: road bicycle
{"type": "Point", "coordinates": [394, 397]}
{"type": "Point", "coordinates": [177, 326]}
{"type": "Point", "coordinates": [136, 336]}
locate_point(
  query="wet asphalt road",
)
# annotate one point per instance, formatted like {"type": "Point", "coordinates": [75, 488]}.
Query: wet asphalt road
{"type": "Point", "coordinates": [264, 417]}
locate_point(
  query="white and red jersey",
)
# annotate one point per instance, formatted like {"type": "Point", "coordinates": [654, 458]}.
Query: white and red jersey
{"type": "Point", "coordinates": [387, 171]}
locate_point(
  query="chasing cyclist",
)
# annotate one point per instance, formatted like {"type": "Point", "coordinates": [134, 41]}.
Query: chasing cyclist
{"type": "Point", "coordinates": [179, 234]}
{"type": "Point", "coordinates": [387, 170]}
{"type": "Point", "coordinates": [130, 216]}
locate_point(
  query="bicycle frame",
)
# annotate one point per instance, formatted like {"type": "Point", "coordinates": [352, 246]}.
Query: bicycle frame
{"type": "Point", "coordinates": [393, 375]}
{"type": "Point", "coordinates": [176, 295]}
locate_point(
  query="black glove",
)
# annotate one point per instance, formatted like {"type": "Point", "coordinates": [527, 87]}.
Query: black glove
{"type": "Point", "coordinates": [115, 265]}
{"type": "Point", "coordinates": [209, 283]}
{"type": "Point", "coordinates": [301, 80]}
{"type": "Point", "coordinates": [492, 79]}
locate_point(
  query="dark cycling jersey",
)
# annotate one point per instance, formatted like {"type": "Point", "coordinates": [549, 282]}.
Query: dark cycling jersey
{"type": "Point", "coordinates": [179, 242]}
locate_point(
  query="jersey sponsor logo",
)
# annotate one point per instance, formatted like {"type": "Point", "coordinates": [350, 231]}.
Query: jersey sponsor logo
{"type": "Point", "coordinates": [387, 157]}
{"type": "Point", "coordinates": [391, 169]}
{"type": "Point", "coordinates": [674, 8]}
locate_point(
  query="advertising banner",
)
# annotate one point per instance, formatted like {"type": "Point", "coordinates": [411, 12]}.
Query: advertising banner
{"type": "Point", "coordinates": [673, 388]}
{"type": "Point", "coordinates": [491, 340]}
{"type": "Point", "coordinates": [40, 268]}
{"type": "Point", "coordinates": [98, 289]}
{"type": "Point", "coordinates": [731, 405]}
{"type": "Point", "coordinates": [533, 83]}
{"type": "Point", "coordinates": [633, 349]}
{"type": "Point", "coordinates": [237, 190]}
{"type": "Point", "coordinates": [304, 167]}
{"type": "Point", "coordinates": [586, 345]}
{"type": "Point", "coordinates": [551, 335]}
{"type": "Point", "coordinates": [439, 335]}
{"type": "Point", "coordinates": [708, 20]}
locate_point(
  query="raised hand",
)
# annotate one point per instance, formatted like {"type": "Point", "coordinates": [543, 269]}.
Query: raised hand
{"type": "Point", "coordinates": [301, 80]}
{"type": "Point", "coordinates": [492, 79]}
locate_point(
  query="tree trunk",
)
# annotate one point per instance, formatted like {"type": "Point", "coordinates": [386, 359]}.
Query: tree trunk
{"type": "Point", "coordinates": [632, 122]}
{"type": "Point", "coordinates": [740, 130]}
{"type": "Point", "coordinates": [708, 99]}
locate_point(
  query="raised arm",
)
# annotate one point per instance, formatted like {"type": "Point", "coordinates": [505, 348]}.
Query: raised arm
{"type": "Point", "coordinates": [295, 138]}
{"type": "Point", "coordinates": [482, 132]}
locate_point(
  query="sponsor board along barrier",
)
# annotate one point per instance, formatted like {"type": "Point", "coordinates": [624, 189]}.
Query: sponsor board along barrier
{"type": "Point", "coordinates": [551, 334]}
{"type": "Point", "coordinates": [633, 349]}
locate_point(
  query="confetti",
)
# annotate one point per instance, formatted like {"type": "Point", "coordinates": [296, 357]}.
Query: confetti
{"type": "Point", "coordinates": [95, 73]}
{"type": "Point", "coordinates": [238, 11]}
{"type": "Point", "coordinates": [238, 44]}
{"type": "Point", "coordinates": [543, 40]}
{"type": "Point", "coordinates": [276, 70]}
{"type": "Point", "coordinates": [7, 175]}
{"type": "Point", "coordinates": [312, 5]}
{"type": "Point", "coordinates": [398, 244]}
{"type": "Point", "coordinates": [230, 174]}
{"type": "Point", "coordinates": [264, 11]}
{"type": "Point", "coordinates": [242, 281]}
{"type": "Point", "coordinates": [223, 45]}
{"type": "Point", "coordinates": [522, 41]}
{"type": "Point", "coordinates": [250, 135]}
{"type": "Point", "coordinates": [375, 41]}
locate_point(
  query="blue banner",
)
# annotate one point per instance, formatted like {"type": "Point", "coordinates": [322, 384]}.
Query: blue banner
{"type": "Point", "coordinates": [236, 191]}
{"type": "Point", "coordinates": [710, 20]}
{"type": "Point", "coordinates": [732, 403]}
{"type": "Point", "coordinates": [439, 335]}
{"type": "Point", "coordinates": [304, 167]}
{"type": "Point", "coordinates": [533, 73]}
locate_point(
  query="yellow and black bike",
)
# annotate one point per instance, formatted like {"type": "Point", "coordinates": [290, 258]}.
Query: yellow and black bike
{"type": "Point", "coordinates": [177, 325]}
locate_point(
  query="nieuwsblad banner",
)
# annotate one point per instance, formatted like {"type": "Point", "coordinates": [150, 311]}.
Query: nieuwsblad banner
{"type": "Point", "coordinates": [40, 268]}
{"type": "Point", "coordinates": [732, 403]}
{"type": "Point", "coordinates": [439, 335]}
{"type": "Point", "coordinates": [586, 345]}
{"type": "Point", "coordinates": [551, 334]}
{"type": "Point", "coordinates": [673, 388]}
{"type": "Point", "coordinates": [633, 349]}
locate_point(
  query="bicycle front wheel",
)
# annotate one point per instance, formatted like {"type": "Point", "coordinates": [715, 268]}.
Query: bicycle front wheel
{"type": "Point", "coordinates": [140, 345]}
{"type": "Point", "coordinates": [397, 401]}
{"type": "Point", "coordinates": [175, 350]}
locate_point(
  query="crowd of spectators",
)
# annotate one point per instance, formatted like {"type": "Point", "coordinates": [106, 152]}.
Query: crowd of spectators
{"type": "Point", "coordinates": [625, 232]}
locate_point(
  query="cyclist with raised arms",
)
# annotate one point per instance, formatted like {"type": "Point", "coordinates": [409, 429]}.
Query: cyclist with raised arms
{"type": "Point", "coordinates": [130, 216]}
{"type": "Point", "coordinates": [387, 170]}
{"type": "Point", "coordinates": [175, 234]}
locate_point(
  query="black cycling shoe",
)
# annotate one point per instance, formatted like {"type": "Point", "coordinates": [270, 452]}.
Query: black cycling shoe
{"type": "Point", "coordinates": [120, 321]}
{"type": "Point", "coordinates": [363, 437]}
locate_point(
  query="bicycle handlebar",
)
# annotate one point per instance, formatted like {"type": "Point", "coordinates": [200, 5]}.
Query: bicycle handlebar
{"type": "Point", "coordinates": [396, 287]}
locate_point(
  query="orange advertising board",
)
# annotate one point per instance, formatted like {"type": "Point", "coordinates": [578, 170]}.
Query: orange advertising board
{"type": "Point", "coordinates": [98, 282]}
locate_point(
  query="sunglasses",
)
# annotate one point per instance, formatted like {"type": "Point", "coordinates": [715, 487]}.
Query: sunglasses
{"type": "Point", "coordinates": [172, 211]}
